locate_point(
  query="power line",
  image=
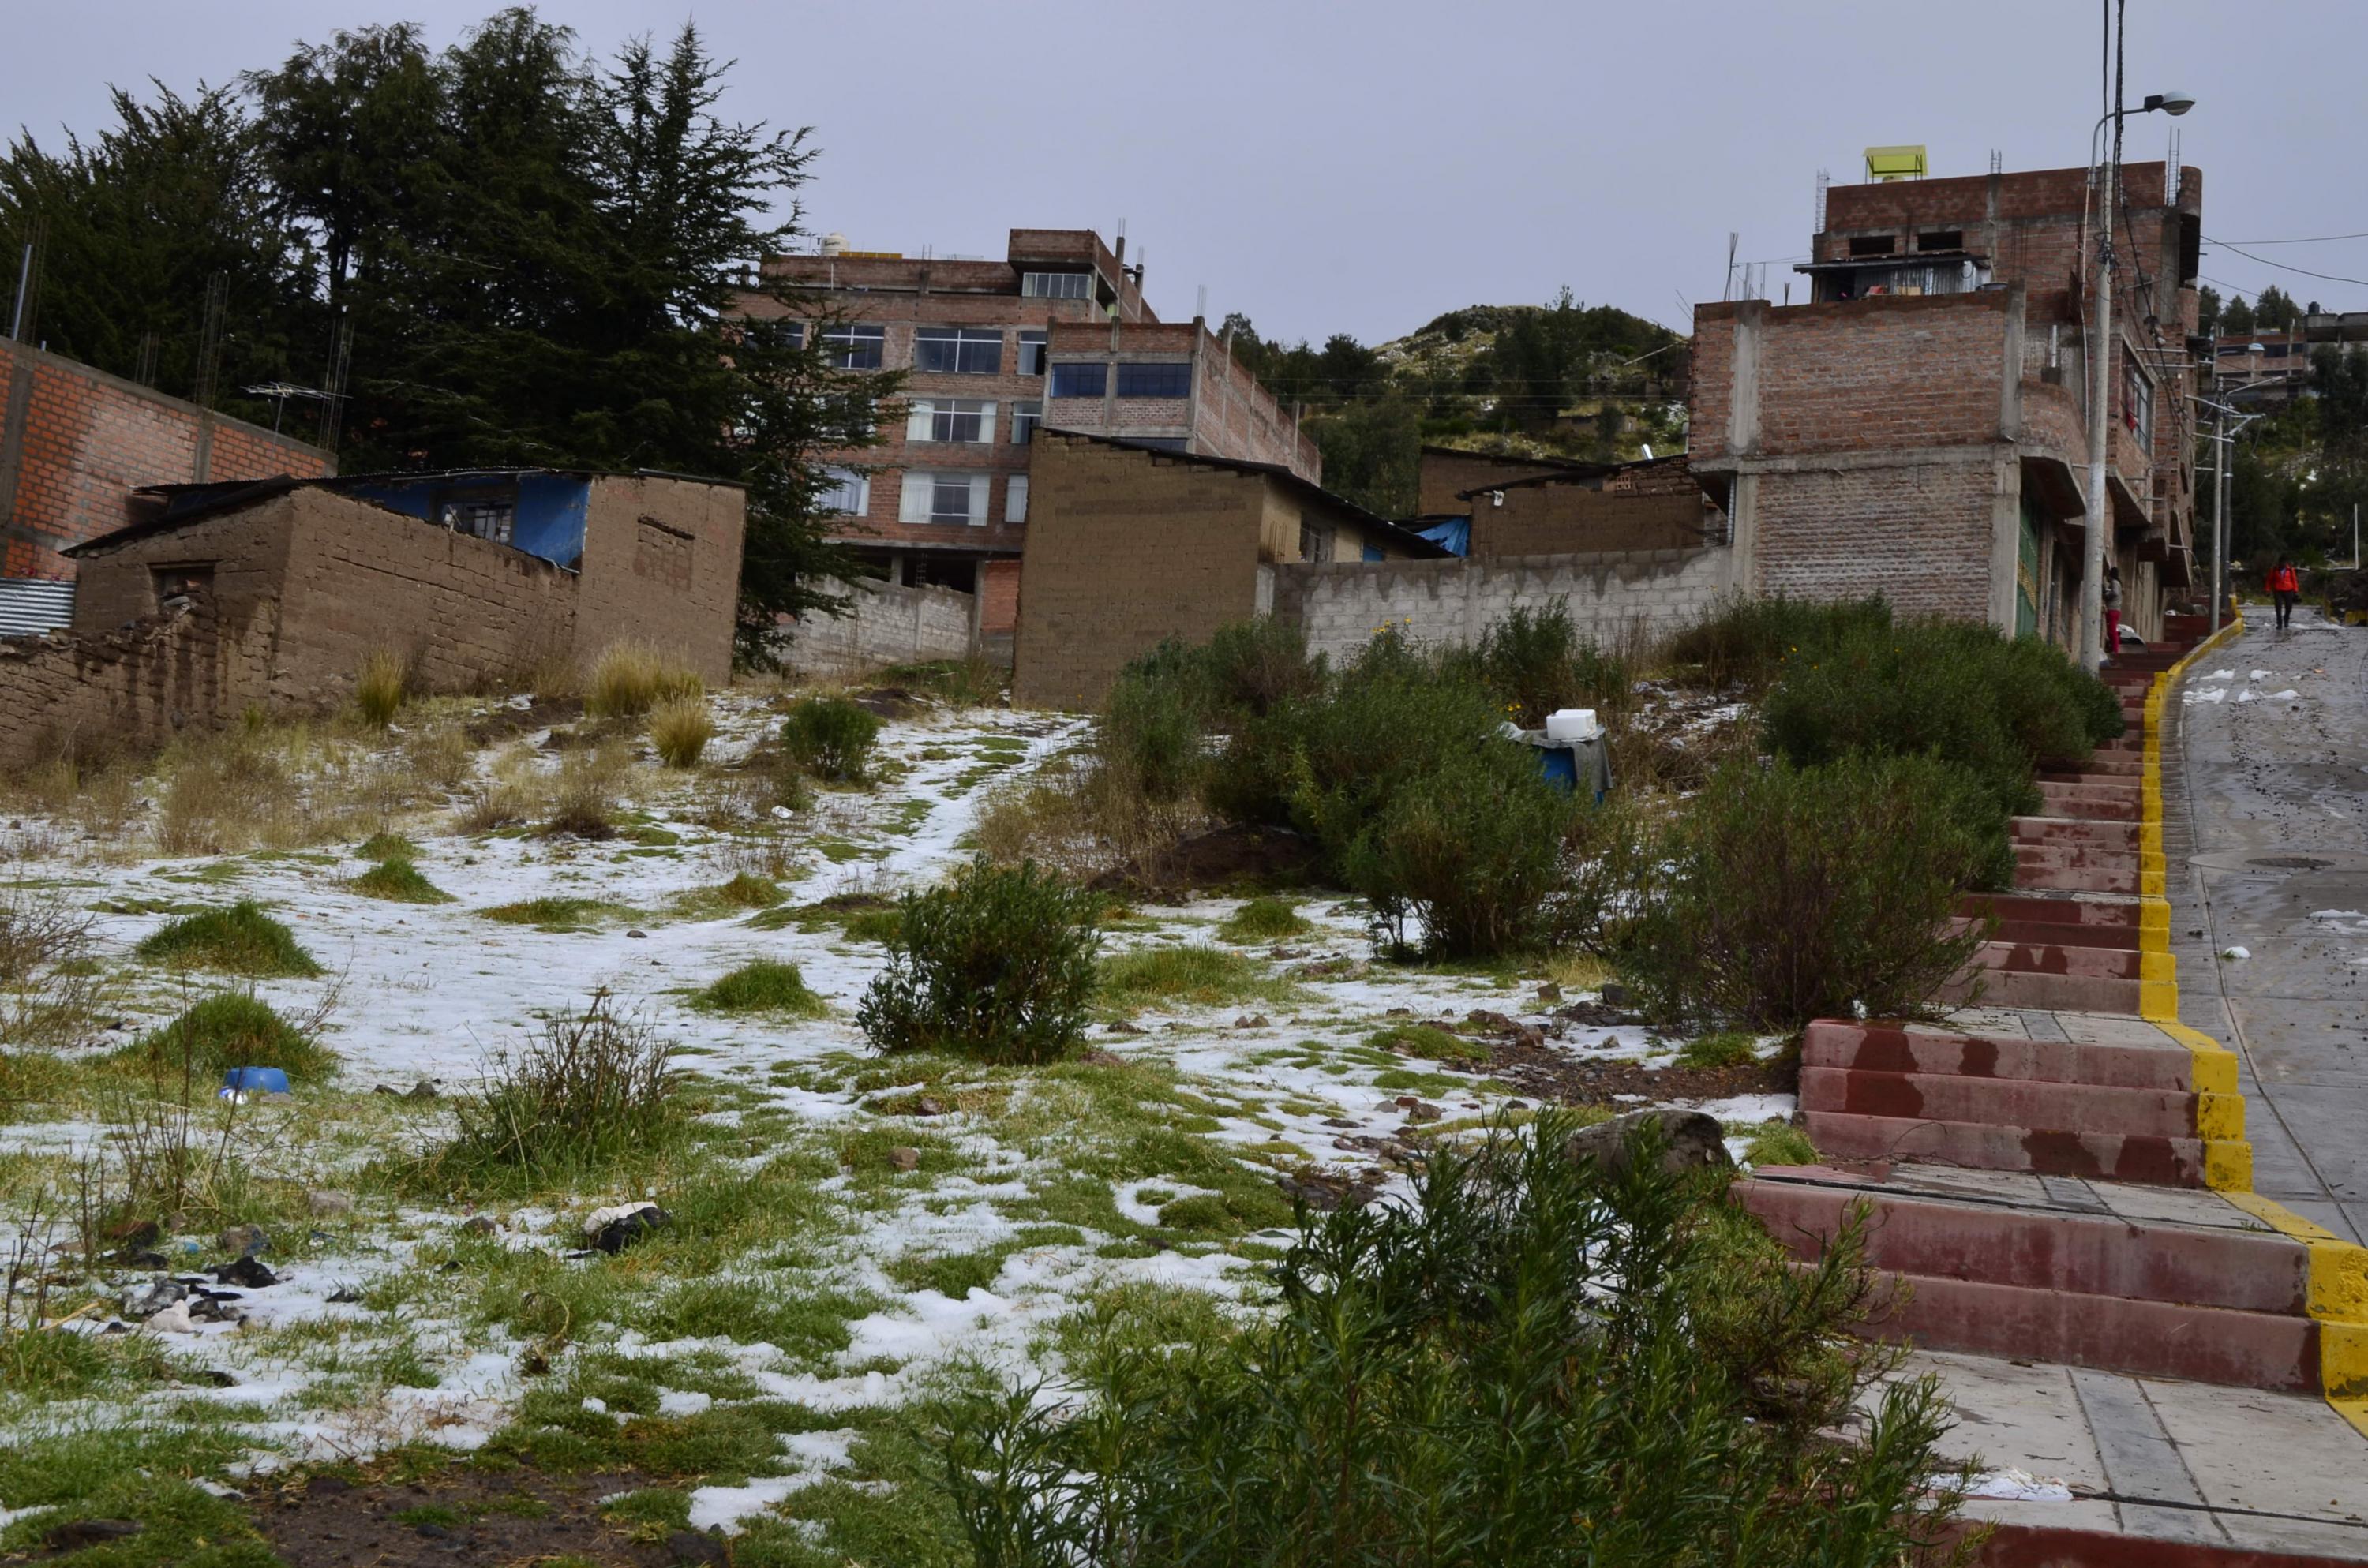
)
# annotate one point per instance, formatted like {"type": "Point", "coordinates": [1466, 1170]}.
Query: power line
{"type": "Point", "coordinates": [2304, 271]}
{"type": "Point", "coordinates": [2312, 240]}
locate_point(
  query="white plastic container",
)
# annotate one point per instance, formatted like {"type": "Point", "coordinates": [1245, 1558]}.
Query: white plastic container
{"type": "Point", "coordinates": [1567, 724]}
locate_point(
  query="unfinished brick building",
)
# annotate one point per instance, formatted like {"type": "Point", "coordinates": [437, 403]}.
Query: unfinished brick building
{"type": "Point", "coordinates": [1055, 334]}
{"type": "Point", "coordinates": [1131, 544]}
{"type": "Point", "coordinates": [74, 442]}
{"type": "Point", "coordinates": [225, 596]}
{"type": "Point", "coordinates": [1918, 429]}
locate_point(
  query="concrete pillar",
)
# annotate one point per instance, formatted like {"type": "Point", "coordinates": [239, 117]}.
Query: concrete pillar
{"type": "Point", "coordinates": [2006, 537]}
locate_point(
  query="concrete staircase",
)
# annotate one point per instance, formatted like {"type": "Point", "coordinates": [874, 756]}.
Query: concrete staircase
{"type": "Point", "coordinates": [2033, 1167]}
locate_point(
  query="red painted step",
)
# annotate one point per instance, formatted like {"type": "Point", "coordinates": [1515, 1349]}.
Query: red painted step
{"type": "Point", "coordinates": [2089, 832]}
{"type": "Point", "coordinates": [1930, 1049]}
{"type": "Point", "coordinates": [2016, 1104]}
{"type": "Point", "coordinates": [2145, 1158]}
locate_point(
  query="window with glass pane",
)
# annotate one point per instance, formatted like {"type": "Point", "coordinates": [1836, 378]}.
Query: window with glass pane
{"type": "Point", "coordinates": [1014, 499]}
{"type": "Point", "coordinates": [950, 419]}
{"type": "Point", "coordinates": [778, 333]}
{"type": "Point", "coordinates": [1155, 380]}
{"type": "Point", "coordinates": [849, 491]}
{"type": "Point", "coordinates": [1056, 285]}
{"type": "Point", "coordinates": [933, 497]}
{"type": "Point", "coordinates": [855, 345]}
{"type": "Point", "coordinates": [965, 350]}
{"type": "Point", "coordinates": [1025, 417]}
{"type": "Point", "coordinates": [1080, 380]}
{"type": "Point", "coordinates": [1032, 353]}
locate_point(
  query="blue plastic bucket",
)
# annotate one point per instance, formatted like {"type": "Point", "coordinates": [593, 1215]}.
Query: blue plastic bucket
{"type": "Point", "coordinates": [255, 1080]}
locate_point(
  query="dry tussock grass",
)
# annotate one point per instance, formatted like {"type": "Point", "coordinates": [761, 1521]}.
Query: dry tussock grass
{"type": "Point", "coordinates": [680, 727]}
{"type": "Point", "coordinates": [630, 677]}
{"type": "Point", "coordinates": [1081, 818]}
{"type": "Point", "coordinates": [382, 684]}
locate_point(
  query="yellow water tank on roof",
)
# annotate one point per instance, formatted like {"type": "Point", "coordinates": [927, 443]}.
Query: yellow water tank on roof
{"type": "Point", "coordinates": [1894, 163]}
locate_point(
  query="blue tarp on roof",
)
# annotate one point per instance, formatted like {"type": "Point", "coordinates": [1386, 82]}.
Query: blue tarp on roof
{"type": "Point", "coordinates": [1452, 535]}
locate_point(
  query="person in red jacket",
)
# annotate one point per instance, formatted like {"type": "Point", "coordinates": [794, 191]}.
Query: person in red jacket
{"type": "Point", "coordinates": [2286, 587]}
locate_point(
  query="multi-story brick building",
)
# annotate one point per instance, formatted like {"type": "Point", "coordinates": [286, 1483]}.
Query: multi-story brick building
{"type": "Point", "coordinates": [1056, 334]}
{"type": "Point", "coordinates": [74, 443]}
{"type": "Point", "coordinates": [1919, 429]}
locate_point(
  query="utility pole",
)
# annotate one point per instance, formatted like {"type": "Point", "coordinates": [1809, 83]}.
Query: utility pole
{"type": "Point", "coordinates": [2220, 521]}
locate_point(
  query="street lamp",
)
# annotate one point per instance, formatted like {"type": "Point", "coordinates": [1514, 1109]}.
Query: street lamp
{"type": "Point", "coordinates": [2092, 578]}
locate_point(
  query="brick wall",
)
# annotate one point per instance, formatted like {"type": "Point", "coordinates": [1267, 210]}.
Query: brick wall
{"type": "Point", "coordinates": [1610, 597]}
{"type": "Point", "coordinates": [662, 564]}
{"type": "Point", "coordinates": [885, 624]}
{"type": "Point", "coordinates": [998, 585]}
{"type": "Point", "coordinates": [1124, 550]}
{"type": "Point", "coordinates": [136, 686]}
{"type": "Point", "coordinates": [1918, 535]}
{"type": "Point", "coordinates": [74, 441]}
{"type": "Point", "coordinates": [1646, 505]}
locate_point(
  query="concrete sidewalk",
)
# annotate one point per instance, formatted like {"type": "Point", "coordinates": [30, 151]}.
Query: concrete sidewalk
{"type": "Point", "coordinates": [2265, 834]}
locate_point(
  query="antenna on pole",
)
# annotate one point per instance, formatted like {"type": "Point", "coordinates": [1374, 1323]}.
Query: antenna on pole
{"type": "Point", "coordinates": [1728, 290]}
{"type": "Point", "coordinates": [332, 393]}
{"type": "Point", "coordinates": [210, 339]}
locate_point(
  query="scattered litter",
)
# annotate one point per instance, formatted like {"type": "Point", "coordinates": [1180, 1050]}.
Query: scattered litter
{"type": "Point", "coordinates": [2019, 1486]}
{"type": "Point", "coordinates": [619, 1226]}
{"type": "Point", "coordinates": [2288, 695]}
{"type": "Point", "coordinates": [2234, 953]}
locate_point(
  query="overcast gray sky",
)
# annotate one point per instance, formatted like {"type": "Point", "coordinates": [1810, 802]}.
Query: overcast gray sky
{"type": "Point", "coordinates": [1362, 167]}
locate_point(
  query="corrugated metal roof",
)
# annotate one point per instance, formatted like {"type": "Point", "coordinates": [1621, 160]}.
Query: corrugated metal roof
{"type": "Point", "coordinates": [31, 606]}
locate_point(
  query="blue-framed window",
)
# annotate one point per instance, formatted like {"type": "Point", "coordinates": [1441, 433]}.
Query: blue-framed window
{"type": "Point", "coordinates": [1080, 380]}
{"type": "Point", "coordinates": [1155, 380]}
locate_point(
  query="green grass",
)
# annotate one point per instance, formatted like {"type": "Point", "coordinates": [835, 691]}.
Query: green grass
{"type": "Point", "coordinates": [1265, 920]}
{"type": "Point", "coordinates": [1191, 976]}
{"type": "Point", "coordinates": [1732, 1049]}
{"type": "Point", "coordinates": [764, 986]}
{"type": "Point", "coordinates": [240, 940]}
{"type": "Point", "coordinates": [231, 1029]}
{"type": "Point", "coordinates": [386, 846]}
{"type": "Point", "coordinates": [743, 893]}
{"type": "Point", "coordinates": [1781, 1144]}
{"type": "Point", "coordinates": [397, 879]}
{"type": "Point", "coordinates": [1428, 1041]}
{"type": "Point", "coordinates": [558, 914]}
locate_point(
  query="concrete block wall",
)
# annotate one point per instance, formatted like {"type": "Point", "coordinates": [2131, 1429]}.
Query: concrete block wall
{"type": "Point", "coordinates": [886, 624]}
{"type": "Point", "coordinates": [1611, 596]}
{"type": "Point", "coordinates": [74, 441]}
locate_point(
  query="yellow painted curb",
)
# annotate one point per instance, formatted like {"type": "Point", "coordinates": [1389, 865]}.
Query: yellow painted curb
{"type": "Point", "coordinates": [2338, 1288]}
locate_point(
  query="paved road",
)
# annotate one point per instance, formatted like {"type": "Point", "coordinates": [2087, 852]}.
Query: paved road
{"type": "Point", "coordinates": [2265, 829]}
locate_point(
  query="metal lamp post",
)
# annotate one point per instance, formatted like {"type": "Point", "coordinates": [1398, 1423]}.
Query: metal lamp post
{"type": "Point", "coordinates": [2093, 577]}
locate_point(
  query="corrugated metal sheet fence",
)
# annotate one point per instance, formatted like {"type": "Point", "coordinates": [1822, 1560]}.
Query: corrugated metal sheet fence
{"type": "Point", "coordinates": [31, 606]}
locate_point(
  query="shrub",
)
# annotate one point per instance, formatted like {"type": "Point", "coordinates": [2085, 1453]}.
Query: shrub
{"type": "Point", "coordinates": [631, 677]}
{"type": "Point", "coordinates": [1191, 975]}
{"type": "Point", "coordinates": [1150, 735]}
{"type": "Point", "coordinates": [1264, 920]}
{"type": "Point", "coordinates": [595, 1090]}
{"type": "Point", "coordinates": [231, 1029]}
{"type": "Point", "coordinates": [1533, 1363]}
{"type": "Point", "coordinates": [50, 982]}
{"type": "Point", "coordinates": [764, 986]}
{"type": "Point", "coordinates": [397, 878]}
{"type": "Point", "coordinates": [380, 688]}
{"type": "Point", "coordinates": [1748, 641]}
{"type": "Point", "coordinates": [1535, 661]}
{"type": "Point", "coordinates": [240, 940]}
{"type": "Point", "coordinates": [830, 737]}
{"type": "Point", "coordinates": [1787, 894]}
{"type": "Point", "coordinates": [1471, 853]}
{"type": "Point", "coordinates": [681, 728]}
{"type": "Point", "coordinates": [996, 963]}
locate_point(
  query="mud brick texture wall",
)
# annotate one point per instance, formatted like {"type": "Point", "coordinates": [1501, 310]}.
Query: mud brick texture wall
{"type": "Point", "coordinates": [1123, 552]}
{"type": "Point", "coordinates": [884, 623]}
{"type": "Point", "coordinates": [1612, 596]}
{"type": "Point", "coordinates": [132, 689]}
{"type": "Point", "coordinates": [662, 564]}
{"type": "Point", "coordinates": [74, 441]}
{"type": "Point", "coordinates": [1443, 474]}
{"type": "Point", "coordinates": [1651, 506]}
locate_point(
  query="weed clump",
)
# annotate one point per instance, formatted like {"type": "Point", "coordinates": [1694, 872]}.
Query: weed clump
{"type": "Point", "coordinates": [231, 1029]}
{"type": "Point", "coordinates": [380, 688]}
{"type": "Point", "coordinates": [764, 986]}
{"type": "Point", "coordinates": [1192, 975]}
{"type": "Point", "coordinates": [397, 879]}
{"type": "Point", "coordinates": [595, 1090]}
{"type": "Point", "coordinates": [1555, 1363]}
{"type": "Point", "coordinates": [240, 940]}
{"type": "Point", "coordinates": [1427, 1040]}
{"type": "Point", "coordinates": [1730, 1047]}
{"type": "Point", "coordinates": [1790, 893]}
{"type": "Point", "coordinates": [631, 677]}
{"type": "Point", "coordinates": [998, 964]}
{"type": "Point", "coordinates": [1780, 1143]}
{"type": "Point", "coordinates": [681, 728]}
{"type": "Point", "coordinates": [556, 914]}
{"type": "Point", "coordinates": [1265, 920]}
{"type": "Point", "coordinates": [831, 738]}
